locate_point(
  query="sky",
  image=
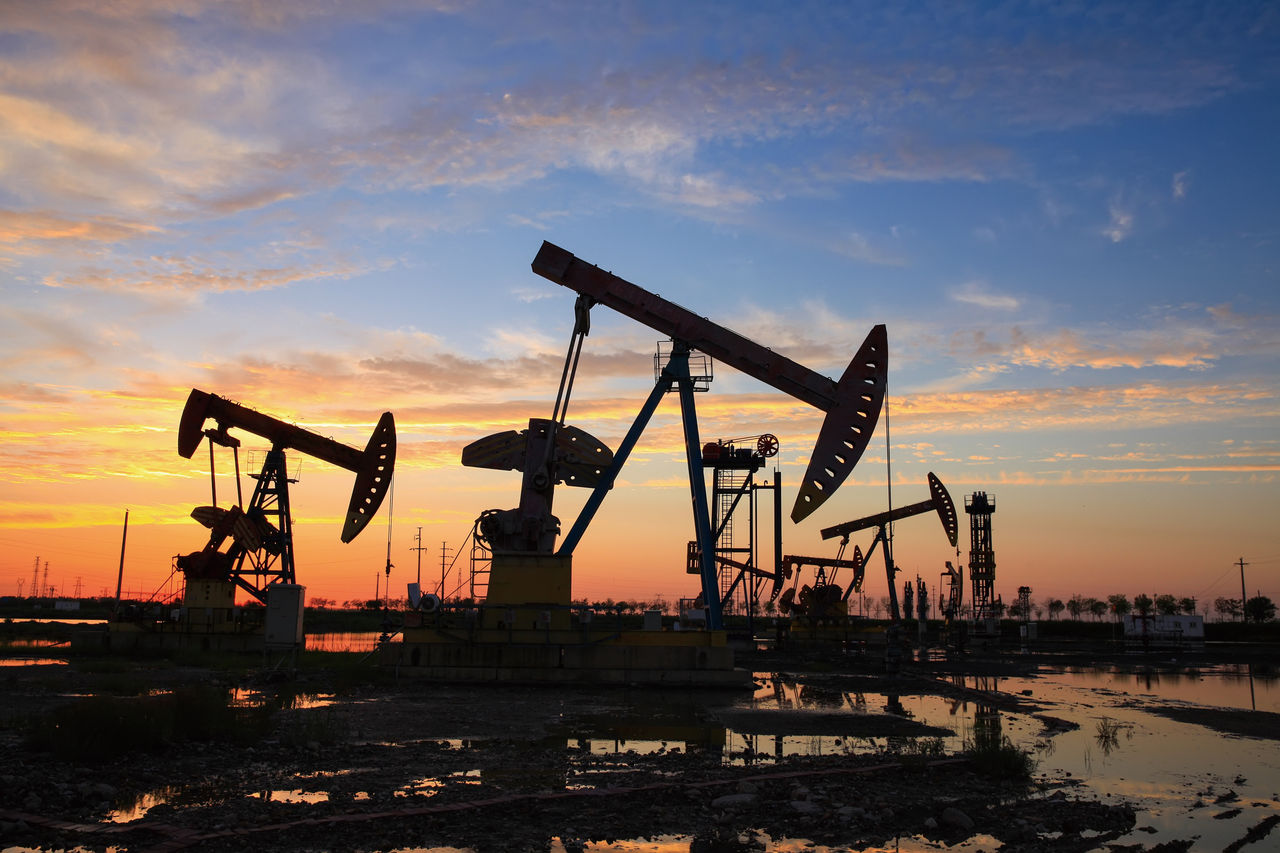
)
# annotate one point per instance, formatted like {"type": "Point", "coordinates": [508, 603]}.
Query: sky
{"type": "Point", "coordinates": [1064, 213]}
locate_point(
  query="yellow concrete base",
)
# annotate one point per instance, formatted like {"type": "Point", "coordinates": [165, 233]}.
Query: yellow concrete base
{"type": "Point", "coordinates": [529, 592]}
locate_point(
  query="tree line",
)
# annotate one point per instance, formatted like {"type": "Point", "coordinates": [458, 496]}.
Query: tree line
{"type": "Point", "coordinates": [1260, 608]}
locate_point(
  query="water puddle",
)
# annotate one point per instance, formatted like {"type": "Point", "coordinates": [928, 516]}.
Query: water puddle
{"type": "Point", "coordinates": [33, 660]}
{"type": "Point", "coordinates": [243, 697]}
{"type": "Point", "coordinates": [32, 643]}
{"type": "Point", "coordinates": [140, 806]}
{"type": "Point", "coordinates": [1103, 731]}
{"type": "Point", "coordinates": [293, 796]}
{"type": "Point", "coordinates": [748, 841]}
{"type": "Point", "coordinates": [1101, 726]}
{"type": "Point", "coordinates": [1178, 775]}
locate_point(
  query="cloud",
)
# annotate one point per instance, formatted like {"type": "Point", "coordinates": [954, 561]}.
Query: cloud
{"type": "Point", "coordinates": [18, 228]}
{"type": "Point", "coordinates": [199, 128]}
{"type": "Point", "coordinates": [979, 293]}
{"type": "Point", "coordinates": [1110, 407]}
{"type": "Point", "coordinates": [1059, 350]}
{"type": "Point", "coordinates": [1187, 341]}
{"type": "Point", "coordinates": [1121, 224]}
{"type": "Point", "coordinates": [914, 159]}
{"type": "Point", "coordinates": [190, 275]}
{"type": "Point", "coordinates": [1181, 181]}
{"type": "Point", "coordinates": [861, 248]}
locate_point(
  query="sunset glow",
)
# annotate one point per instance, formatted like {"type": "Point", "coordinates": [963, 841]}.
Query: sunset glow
{"type": "Point", "coordinates": [1065, 216]}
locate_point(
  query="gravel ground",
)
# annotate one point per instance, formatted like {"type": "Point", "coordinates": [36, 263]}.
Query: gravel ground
{"type": "Point", "coordinates": [380, 766]}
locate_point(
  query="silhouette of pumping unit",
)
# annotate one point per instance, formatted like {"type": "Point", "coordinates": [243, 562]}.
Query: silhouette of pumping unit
{"type": "Point", "coordinates": [939, 501]}
{"type": "Point", "coordinates": [852, 405]}
{"type": "Point", "coordinates": [261, 551]}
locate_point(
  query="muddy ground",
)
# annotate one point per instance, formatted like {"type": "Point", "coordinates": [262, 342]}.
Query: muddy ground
{"type": "Point", "coordinates": [381, 765]}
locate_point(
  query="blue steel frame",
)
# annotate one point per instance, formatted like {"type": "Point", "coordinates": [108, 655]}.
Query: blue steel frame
{"type": "Point", "coordinates": [674, 374]}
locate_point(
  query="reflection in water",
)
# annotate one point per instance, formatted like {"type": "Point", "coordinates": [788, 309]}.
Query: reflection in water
{"type": "Point", "coordinates": [1118, 748]}
{"type": "Point", "coordinates": [34, 661]}
{"type": "Point", "coordinates": [1108, 735]}
{"type": "Point", "coordinates": [140, 805]}
{"type": "Point", "coordinates": [1246, 686]}
{"type": "Point", "coordinates": [343, 641]}
{"type": "Point", "coordinates": [1172, 771]}
{"type": "Point", "coordinates": [294, 796]}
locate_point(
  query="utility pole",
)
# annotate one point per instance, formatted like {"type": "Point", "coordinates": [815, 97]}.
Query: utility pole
{"type": "Point", "coordinates": [444, 557]}
{"type": "Point", "coordinates": [124, 538]}
{"type": "Point", "coordinates": [419, 549]}
{"type": "Point", "coordinates": [35, 580]}
{"type": "Point", "coordinates": [1244, 614]}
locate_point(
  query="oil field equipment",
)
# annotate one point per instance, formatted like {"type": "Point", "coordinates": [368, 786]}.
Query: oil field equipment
{"type": "Point", "coordinates": [526, 567]}
{"type": "Point", "coordinates": [939, 502]}
{"type": "Point", "coordinates": [982, 560]}
{"type": "Point", "coordinates": [852, 405]}
{"type": "Point", "coordinates": [251, 547]}
{"type": "Point", "coordinates": [527, 627]}
{"type": "Point", "coordinates": [733, 464]}
{"type": "Point", "coordinates": [260, 552]}
{"type": "Point", "coordinates": [951, 604]}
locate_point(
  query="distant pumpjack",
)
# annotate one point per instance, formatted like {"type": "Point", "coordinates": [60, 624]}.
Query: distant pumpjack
{"type": "Point", "coordinates": [939, 502]}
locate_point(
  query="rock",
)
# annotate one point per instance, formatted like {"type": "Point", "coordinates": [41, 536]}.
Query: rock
{"type": "Point", "coordinates": [102, 789]}
{"type": "Point", "coordinates": [930, 823]}
{"type": "Point", "coordinates": [952, 816]}
{"type": "Point", "coordinates": [32, 802]}
{"type": "Point", "coordinates": [805, 807]}
{"type": "Point", "coordinates": [745, 787]}
{"type": "Point", "coordinates": [734, 801]}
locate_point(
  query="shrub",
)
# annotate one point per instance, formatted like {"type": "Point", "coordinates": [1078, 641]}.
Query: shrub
{"type": "Point", "coordinates": [1002, 760]}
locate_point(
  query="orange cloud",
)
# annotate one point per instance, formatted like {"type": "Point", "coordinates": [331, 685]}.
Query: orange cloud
{"type": "Point", "coordinates": [24, 227]}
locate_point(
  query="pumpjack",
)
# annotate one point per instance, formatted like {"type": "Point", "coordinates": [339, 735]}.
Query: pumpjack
{"type": "Point", "coordinates": [259, 539]}
{"type": "Point", "coordinates": [528, 600]}
{"type": "Point", "coordinates": [250, 547]}
{"type": "Point", "coordinates": [939, 502]}
{"type": "Point", "coordinates": [527, 566]}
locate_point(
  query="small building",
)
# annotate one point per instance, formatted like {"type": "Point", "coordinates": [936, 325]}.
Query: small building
{"type": "Point", "coordinates": [1160, 630]}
